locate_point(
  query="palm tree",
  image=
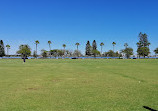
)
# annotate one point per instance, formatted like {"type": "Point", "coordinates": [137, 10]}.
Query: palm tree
{"type": "Point", "coordinates": [101, 44]}
{"type": "Point", "coordinates": [64, 45]}
{"type": "Point", "coordinates": [49, 42]}
{"type": "Point", "coordinates": [77, 44]}
{"type": "Point", "coordinates": [36, 42]}
{"type": "Point", "coordinates": [126, 45]}
{"type": "Point", "coordinates": [113, 45]}
{"type": "Point", "coordinates": [8, 47]}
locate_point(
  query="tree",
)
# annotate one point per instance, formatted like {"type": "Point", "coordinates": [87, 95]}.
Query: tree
{"type": "Point", "coordinates": [64, 45]}
{"type": "Point", "coordinates": [138, 44]}
{"type": "Point", "coordinates": [2, 51]}
{"type": "Point", "coordinates": [101, 44]}
{"type": "Point", "coordinates": [69, 53]}
{"type": "Point", "coordinates": [61, 53]}
{"type": "Point", "coordinates": [8, 47]}
{"type": "Point", "coordinates": [57, 52]}
{"type": "Point", "coordinates": [77, 44]}
{"type": "Point", "coordinates": [77, 53]}
{"type": "Point", "coordinates": [113, 45]}
{"type": "Point", "coordinates": [117, 54]}
{"type": "Point", "coordinates": [148, 44]}
{"type": "Point", "coordinates": [156, 51]}
{"type": "Point", "coordinates": [44, 53]}
{"type": "Point", "coordinates": [88, 49]}
{"type": "Point", "coordinates": [127, 52]}
{"type": "Point", "coordinates": [24, 50]}
{"type": "Point", "coordinates": [143, 40]}
{"type": "Point", "coordinates": [110, 53]}
{"type": "Point", "coordinates": [126, 45]}
{"type": "Point", "coordinates": [95, 52]}
{"type": "Point", "coordinates": [143, 45]}
{"type": "Point", "coordinates": [94, 45]}
{"type": "Point", "coordinates": [143, 51]}
{"type": "Point", "coordinates": [49, 42]}
{"type": "Point", "coordinates": [54, 52]}
{"type": "Point", "coordinates": [36, 42]}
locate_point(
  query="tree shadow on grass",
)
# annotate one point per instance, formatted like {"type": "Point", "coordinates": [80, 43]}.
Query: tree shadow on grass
{"type": "Point", "coordinates": [150, 109]}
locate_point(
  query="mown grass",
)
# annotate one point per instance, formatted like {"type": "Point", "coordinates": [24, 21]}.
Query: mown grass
{"type": "Point", "coordinates": [78, 85]}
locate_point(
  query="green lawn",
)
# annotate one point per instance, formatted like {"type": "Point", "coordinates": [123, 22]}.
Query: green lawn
{"type": "Point", "coordinates": [78, 85]}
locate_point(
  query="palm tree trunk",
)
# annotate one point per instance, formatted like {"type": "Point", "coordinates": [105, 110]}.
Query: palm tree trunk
{"type": "Point", "coordinates": [36, 51]}
{"type": "Point", "coordinates": [49, 47]}
{"type": "Point", "coordinates": [113, 48]}
{"type": "Point", "coordinates": [50, 50]}
{"type": "Point", "coordinates": [64, 52]}
{"type": "Point", "coordinates": [7, 51]}
{"type": "Point", "coordinates": [77, 47]}
{"type": "Point", "coordinates": [77, 50]}
{"type": "Point", "coordinates": [101, 50]}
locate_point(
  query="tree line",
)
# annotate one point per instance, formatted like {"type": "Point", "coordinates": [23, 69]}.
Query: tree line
{"type": "Point", "coordinates": [90, 49]}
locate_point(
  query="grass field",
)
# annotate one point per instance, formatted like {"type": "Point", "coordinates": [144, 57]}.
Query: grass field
{"type": "Point", "coordinates": [78, 85]}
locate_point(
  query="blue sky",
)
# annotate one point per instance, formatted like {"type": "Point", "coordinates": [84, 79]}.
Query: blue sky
{"type": "Point", "coordinates": [71, 21]}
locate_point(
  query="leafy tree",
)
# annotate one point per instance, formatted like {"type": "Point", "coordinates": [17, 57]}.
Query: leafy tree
{"type": "Point", "coordinates": [94, 45]}
{"type": "Point", "coordinates": [77, 53]}
{"type": "Point", "coordinates": [95, 52]}
{"type": "Point", "coordinates": [24, 50]}
{"type": "Point", "coordinates": [36, 42]}
{"type": "Point", "coordinates": [101, 44]}
{"type": "Point", "coordinates": [110, 53]}
{"type": "Point", "coordinates": [143, 51]}
{"type": "Point", "coordinates": [88, 49]}
{"type": "Point", "coordinates": [138, 44]}
{"type": "Point", "coordinates": [117, 54]}
{"type": "Point", "coordinates": [57, 52]}
{"type": "Point", "coordinates": [61, 53]}
{"type": "Point", "coordinates": [156, 51]}
{"type": "Point", "coordinates": [77, 44]}
{"type": "Point", "coordinates": [113, 45]}
{"type": "Point", "coordinates": [69, 53]}
{"type": "Point", "coordinates": [44, 53]}
{"type": "Point", "coordinates": [8, 47]}
{"type": "Point", "coordinates": [126, 45]}
{"type": "Point", "coordinates": [54, 52]}
{"type": "Point", "coordinates": [127, 52]}
{"type": "Point", "coordinates": [143, 40]}
{"type": "Point", "coordinates": [143, 45]}
{"type": "Point", "coordinates": [2, 51]}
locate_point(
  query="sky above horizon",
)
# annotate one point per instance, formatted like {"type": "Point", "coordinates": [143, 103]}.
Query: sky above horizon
{"type": "Point", "coordinates": [71, 21]}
